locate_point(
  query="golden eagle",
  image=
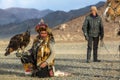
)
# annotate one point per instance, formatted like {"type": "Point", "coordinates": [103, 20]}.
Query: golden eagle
{"type": "Point", "coordinates": [19, 41]}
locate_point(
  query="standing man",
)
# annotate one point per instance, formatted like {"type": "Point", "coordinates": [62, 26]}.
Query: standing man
{"type": "Point", "coordinates": [93, 31]}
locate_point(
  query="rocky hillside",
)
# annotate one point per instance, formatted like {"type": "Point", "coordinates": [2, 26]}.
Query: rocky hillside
{"type": "Point", "coordinates": [72, 30]}
{"type": "Point", "coordinates": [6, 17]}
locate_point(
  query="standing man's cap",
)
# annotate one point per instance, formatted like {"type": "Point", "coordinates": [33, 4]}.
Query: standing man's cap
{"type": "Point", "coordinates": [94, 8]}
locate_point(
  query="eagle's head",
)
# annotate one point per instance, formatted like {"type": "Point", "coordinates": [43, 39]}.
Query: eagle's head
{"type": "Point", "coordinates": [8, 51]}
{"type": "Point", "coordinates": [27, 34]}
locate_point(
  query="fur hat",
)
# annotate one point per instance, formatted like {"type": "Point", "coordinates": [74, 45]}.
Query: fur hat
{"type": "Point", "coordinates": [94, 8]}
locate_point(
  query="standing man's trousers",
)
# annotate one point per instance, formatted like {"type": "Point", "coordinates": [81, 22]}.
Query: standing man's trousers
{"type": "Point", "coordinates": [92, 44]}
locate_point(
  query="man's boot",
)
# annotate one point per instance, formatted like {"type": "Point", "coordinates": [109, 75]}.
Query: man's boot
{"type": "Point", "coordinates": [27, 68]}
{"type": "Point", "coordinates": [88, 56]}
{"type": "Point", "coordinates": [95, 56]}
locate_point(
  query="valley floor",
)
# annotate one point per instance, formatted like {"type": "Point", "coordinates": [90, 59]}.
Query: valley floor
{"type": "Point", "coordinates": [70, 57]}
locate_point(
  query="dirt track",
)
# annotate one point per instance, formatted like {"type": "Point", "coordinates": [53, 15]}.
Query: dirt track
{"type": "Point", "coordinates": [70, 58]}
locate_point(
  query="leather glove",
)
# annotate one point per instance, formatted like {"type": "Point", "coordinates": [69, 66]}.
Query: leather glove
{"type": "Point", "coordinates": [19, 55]}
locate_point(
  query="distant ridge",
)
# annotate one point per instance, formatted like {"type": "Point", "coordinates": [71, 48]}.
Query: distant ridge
{"type": "Point", "coordinates": [17, 15]}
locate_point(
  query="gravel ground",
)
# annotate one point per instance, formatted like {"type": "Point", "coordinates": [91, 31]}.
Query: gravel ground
{"type": "Point", "coordinates": [70, 57]}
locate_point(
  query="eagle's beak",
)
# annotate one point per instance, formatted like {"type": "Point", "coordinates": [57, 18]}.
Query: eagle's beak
{"type": "Point", "coordinates": [7, 53]}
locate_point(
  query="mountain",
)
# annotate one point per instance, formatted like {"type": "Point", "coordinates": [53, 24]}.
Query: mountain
{"type": "Point", "coordinates": [16, 28]}
{"type": "Point", "coordinates": [17, 15]}
{"type": "Point", "coordinates": [52, 19]}
{"type": "Point", "coordinates": [80, 12]}
{"type": "Point", "coordinates": [60, 17]}
{"type": "Point", "coordinates": [25, 14]}
{"type": "Point", "coordinates": [6, 17]}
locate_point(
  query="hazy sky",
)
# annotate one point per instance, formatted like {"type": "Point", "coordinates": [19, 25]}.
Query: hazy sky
{"type": "Point", "coordinates": [65, 5]}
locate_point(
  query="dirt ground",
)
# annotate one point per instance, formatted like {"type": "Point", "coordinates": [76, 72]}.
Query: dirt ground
{"type": "Point", "coordinates": [70, 57]}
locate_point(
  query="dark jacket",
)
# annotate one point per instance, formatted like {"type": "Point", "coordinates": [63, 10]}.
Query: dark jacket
{"type": "Point", "coordinates": [93, 26]}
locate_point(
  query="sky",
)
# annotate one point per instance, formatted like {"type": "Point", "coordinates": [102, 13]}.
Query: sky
{"type": "Point", "coordinates": [65, 5]}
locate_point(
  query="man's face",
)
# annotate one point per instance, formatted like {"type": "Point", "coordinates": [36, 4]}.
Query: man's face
{"type": "Point", "coordinates": [43, 34]}
{"type": "Point", "coordinates": [93, 12]}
